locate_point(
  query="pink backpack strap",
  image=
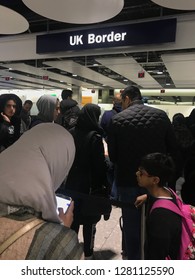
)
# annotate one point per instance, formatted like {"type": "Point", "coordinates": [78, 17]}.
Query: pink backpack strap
{"type": "Point", "coordinates": [168, 204]}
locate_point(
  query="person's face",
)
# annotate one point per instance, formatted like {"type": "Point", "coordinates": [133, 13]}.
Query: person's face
{"type": "Point", "coordinates": [144, 179]}
{"type": "Point", "coordinates": [27, 107]}
{"type": "Point", "coordinates": [57, 110]}
{"type": "Point", "coordinates": [10, 108]}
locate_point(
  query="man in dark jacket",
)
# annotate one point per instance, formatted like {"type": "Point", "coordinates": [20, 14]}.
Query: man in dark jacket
{"type": "Point", "coordinates": [25, 112]}
{"type": "Point", "coordinates": [68, 110]}
{"type": "Point", "coordinates": [136, 131]}
{"type": "Point", "coordinates": [107, 115]}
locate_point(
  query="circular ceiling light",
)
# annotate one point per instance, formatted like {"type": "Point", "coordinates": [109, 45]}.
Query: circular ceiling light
{"type": "Point", "coordinates": [11, 22]}
{"type": "Point", "coordinates": [76, 11]}
{"type": "Point", "coordinates": [176, 4]}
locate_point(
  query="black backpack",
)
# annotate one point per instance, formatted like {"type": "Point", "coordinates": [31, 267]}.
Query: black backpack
{"type": "Point", "coordinates": [69, 119]}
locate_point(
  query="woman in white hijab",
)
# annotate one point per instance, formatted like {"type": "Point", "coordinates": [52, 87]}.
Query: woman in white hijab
{"type": "Point", "coordinates": [31, 171]}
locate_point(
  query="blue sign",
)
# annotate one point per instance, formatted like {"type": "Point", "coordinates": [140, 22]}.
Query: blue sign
{"type": "Point", "coordinates": [152, 32]}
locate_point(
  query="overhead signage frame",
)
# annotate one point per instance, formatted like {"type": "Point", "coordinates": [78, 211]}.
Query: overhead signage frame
{"type": "Point", "coordinates": [151, 32]}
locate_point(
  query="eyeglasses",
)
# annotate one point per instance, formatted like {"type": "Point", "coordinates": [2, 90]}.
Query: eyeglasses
{"type": "Point", "coordinates": [142, 172]}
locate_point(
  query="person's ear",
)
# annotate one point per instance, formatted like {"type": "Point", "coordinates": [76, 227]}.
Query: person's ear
{"type": "Point", "coordinates": [156, 180]}
{"type": "Point", "coordinates": [128, 100]}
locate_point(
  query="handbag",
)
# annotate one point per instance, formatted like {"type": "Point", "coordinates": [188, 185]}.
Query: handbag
{"type": "Point", "coordinates": [16, 235]}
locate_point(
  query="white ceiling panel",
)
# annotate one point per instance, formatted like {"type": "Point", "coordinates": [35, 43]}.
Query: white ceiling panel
{"type": "Point", "coordinates": [17, 83]}
{"type": "Point", "coordinates": [9, 86]}
{"type": "Point", "coordinates": [40, 72]}
{"type": "Point", "coordinates": [82, 71]}
{"type": "Point", "coordinates": [33, 82]}
{"type": "Point", "coordinates": [178, 5]}
{"type": "Point", "coordinates": [12, 22]}
{"type": "Point", "coordinates": [181, 68]}
{"type": "Point", "coordinates": [129, 68]}
{"type": "Point", "coordinates": [74, 11]}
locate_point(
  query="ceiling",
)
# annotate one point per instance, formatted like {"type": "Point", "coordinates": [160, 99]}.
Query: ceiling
{"type": "Point", "coordinates": [167, 69]}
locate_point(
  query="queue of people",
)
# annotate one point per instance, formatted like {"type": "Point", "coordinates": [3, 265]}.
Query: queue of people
{"type": "Point", "coordinates": [142, 146]}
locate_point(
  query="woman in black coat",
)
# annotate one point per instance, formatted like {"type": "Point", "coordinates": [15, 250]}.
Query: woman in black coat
{"type": "Point", "coordinates": [88, 172]}
{"type": "Point", "coordinates": [10, 121]}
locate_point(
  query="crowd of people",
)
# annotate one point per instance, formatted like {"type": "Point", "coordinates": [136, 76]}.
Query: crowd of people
{"type": "Point", "coordinates": [62, 150]}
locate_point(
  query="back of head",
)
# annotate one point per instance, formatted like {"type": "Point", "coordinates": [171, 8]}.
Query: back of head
{"type": "Point", "coordinates": [178, 119]}
{"type": "Point", "coordinates": [46, 105]}
{"type": "Point", "coordinates": [88, 118]}
{"type": "Point", "coordinates": [66, 93]}
{"type": "Point", "coordinates": [117, 98]}
{"type": "Point", "coordinates": [33, 168]}
{"type": "Point", "coordinates": [160, 165]}
{"type": "Point", "coordinates": [117, 104]}
{"type": "Point", "coordinates": [132, 92]}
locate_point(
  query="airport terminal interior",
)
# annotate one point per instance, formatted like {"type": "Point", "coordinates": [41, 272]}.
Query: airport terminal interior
{"type": "Point", "coordinates": [97, 51]}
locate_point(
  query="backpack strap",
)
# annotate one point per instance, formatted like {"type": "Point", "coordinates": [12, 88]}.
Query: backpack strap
{"type": "Point", "coordinates": [15, 236]}
{"type": "Point", "coordinates": [168, 204]}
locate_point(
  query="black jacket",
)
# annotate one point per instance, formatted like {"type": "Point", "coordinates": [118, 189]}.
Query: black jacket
{"type": "Point", "coordinates": [89, 167]}
{"type": "Point", "coordinates": [69, 111]}
{"type": "Point", "coordinates": [163, 232]}
{"type": "Point", "coordinates": [9, 132]}
{"type": "Point", "coordinates": [135, 132]}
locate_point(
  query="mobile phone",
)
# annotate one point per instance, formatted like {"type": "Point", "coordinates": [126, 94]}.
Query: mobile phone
{"type": "Point", "coordinates": [63, 201]}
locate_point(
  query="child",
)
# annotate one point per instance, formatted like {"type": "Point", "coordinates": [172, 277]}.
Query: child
{"type": "Point", "coordinates": [163, 227]}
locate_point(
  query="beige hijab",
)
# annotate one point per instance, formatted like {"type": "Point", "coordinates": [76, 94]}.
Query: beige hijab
{"type": "Point", "coordinates": [32, 169]}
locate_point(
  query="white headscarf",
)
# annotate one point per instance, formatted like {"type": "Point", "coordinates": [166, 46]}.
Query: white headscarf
{"type": "Point", "coordinates": [32, 169]}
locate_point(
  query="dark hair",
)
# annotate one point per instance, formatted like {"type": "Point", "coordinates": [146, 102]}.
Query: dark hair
{"type": "Point", "coordinates": [160, 165]}
{"type": "Point", "coordinates": [28, 102]}
{"type": "Point", "coordinates": [132, 92]}
{"type": "Point", "coordinates": [178, 119]}
{"type": "Point", "coordinates": [5, 97]}
{"type": "Point", "coordinates": [66, 93]}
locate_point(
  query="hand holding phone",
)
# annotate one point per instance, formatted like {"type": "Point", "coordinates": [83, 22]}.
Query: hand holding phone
{"type": "Point", "coordinates": [67, 218]}
{"type": "Point", "coordinates": [63, 202]}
